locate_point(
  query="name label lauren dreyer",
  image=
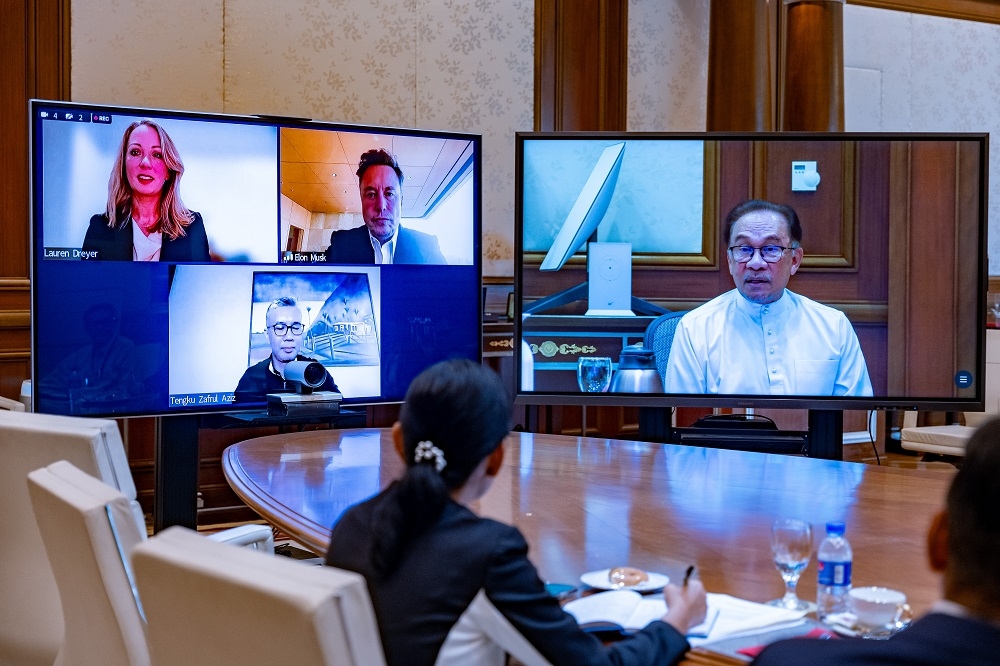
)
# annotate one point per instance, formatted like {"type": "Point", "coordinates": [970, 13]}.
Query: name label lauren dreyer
{"type": "Point", "coordinates": [69, 253]}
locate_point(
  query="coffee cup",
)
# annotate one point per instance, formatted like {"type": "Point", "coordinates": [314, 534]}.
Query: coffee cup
{"type": "Point", "coordinates": [879, 607]}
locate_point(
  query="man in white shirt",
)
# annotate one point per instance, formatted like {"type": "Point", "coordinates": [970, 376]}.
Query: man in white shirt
{"type": "Point", "coordinates": [963, 543]}
{"type": "Point", "coordinates": [760, 338]}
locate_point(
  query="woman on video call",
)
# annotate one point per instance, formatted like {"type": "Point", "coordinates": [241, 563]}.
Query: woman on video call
{"type": "Point", "coordinates": [145, 218]}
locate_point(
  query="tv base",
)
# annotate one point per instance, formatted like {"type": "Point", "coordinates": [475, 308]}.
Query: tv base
{"type": "Point", "coordinates": [824, 438]}
{"type": "Point", "coordinates": [345, 418]}
{"type": "Point", "coordinates": [175, 500]}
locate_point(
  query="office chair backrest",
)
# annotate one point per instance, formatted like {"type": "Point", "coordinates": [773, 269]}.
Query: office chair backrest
{"type": "Point", "coordinates": [660, 335]}
{"type": "Point", "coordinates": [235, 606]}
{"type": "Point", "coordinates": [87, 528]}
{"type": "Point", "coordinates": [31, 624]}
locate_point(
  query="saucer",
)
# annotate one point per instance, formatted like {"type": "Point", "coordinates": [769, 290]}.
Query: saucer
{"type": "Point", "coordinates": [880, 633]}
{"type": "Point", "coordinates": [599, 580]}
{"type": "Point", "coordinates": [847, 624]}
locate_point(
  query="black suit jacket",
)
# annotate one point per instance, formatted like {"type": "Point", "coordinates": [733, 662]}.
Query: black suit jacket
{"type": "Point", "coordinates": [353, 246]}
{"type": "Point", "coordinates": [934, 640]}
{"type": "Point", "coordinates": [459, 557]}
{"type": "Point", "coordinates": [116, 244]}
{"type": "Point", "coordinates": [258, 380]}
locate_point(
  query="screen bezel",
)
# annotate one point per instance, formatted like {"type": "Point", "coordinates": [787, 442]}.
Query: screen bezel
{"type": "Point", "coordinates": [975, 403]}
{"type": "Point", "coordinates": [279, 123]}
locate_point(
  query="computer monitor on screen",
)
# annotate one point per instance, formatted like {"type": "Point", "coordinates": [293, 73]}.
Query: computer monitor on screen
{"type": "Point", "coordinates": [580, 227]}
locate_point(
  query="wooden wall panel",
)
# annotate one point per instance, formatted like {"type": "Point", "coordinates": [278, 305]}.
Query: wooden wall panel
{"type": "Point", "coordinates": [740, 66]}
{"type": "Point", "coordinates": [931, 280]}
{"type": "Point", "coordinates": [811, 67]}
{"type": "Point", "coordinates": [34, 62]}
{"type": "Point", "coordinates": [581, 64]}
{"type": "Point", "coordinates": [828, 214]}
{"type": "Point", "coordinates": [986, 11]}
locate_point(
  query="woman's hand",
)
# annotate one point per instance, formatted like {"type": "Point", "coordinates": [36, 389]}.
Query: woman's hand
{"type": "Point", "coordinates": [686, 606]}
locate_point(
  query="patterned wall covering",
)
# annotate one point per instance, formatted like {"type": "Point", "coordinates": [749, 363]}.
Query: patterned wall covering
{"type": "Point", "coordinates": [468, 65]}
{"type": "Point", "coordinates": [949, 82]}
{"type": "Point", "coordinates": [465, 65]}
{"type": "Point", "coordinates": [667, 65]}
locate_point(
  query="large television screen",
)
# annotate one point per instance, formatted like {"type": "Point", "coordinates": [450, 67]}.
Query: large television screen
{"type": "Point", "coordinates": [180, 260]}
{"type": "Point", "coordinates": [800, 270]}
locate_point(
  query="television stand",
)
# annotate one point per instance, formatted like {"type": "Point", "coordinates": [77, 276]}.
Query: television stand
{"type": "Point", "coordinates": [824, 438]}
{"type": "Point", "coordinates": [826, 434]}
{"type": "Point", "coordinates": [175, 499]}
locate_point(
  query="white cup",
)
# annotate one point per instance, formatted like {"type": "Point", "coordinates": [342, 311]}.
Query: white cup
{"type": "Point", "coordinates": [878, 607]}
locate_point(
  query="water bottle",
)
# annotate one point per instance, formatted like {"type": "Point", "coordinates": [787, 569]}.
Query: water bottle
{"type": "Point", "coordinates": [834, 578]}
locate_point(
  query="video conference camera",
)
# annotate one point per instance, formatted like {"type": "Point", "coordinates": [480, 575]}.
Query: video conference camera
{"type": "Point", "coordinates": [305, 376]}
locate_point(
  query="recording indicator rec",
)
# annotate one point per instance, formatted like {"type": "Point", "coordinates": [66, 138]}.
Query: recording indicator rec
{"type": "Point", "coordinates": [74, 116]}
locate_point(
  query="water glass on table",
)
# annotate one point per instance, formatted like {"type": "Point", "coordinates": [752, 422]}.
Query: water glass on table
{"type": "Point", "coordinates": [791, 545]}
{"type": "Point", "coordinates": [593, 373]}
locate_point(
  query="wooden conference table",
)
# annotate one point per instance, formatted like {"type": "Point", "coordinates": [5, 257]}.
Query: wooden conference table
{"type": "Point", "coordinates": [587, 503]}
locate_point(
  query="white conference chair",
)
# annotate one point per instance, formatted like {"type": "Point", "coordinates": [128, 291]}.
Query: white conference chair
{"type": "Point", "coordinates": [943, 440]}
{"type": "Point", "coordinates": [88, 531]}
{"type": "Point", "coordinates": [950, 440]}
{"type": "Point", "coordinates": [11, 405]}
{"type": "Point", "coordinates": [31, 622]}
{"type": "Point", "coordinates": [263, 610]}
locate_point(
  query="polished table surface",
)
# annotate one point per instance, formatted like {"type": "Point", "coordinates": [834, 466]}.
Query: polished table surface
{"type": "Point", "coordinates": [587, 503]}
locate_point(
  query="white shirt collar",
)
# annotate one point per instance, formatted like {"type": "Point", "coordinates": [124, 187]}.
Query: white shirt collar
{"type": "Point", "coordinates": [755, 310]}
{"type": "Point", "coordinates": [145, 248]}
{"type": "Point", "coordinates": [946, 607]}
{"type": "Point", "coordinates": [384, 252]}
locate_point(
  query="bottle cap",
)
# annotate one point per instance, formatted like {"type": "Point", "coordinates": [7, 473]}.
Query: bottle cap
{"type": "Point", "coordinates": [836, 529]}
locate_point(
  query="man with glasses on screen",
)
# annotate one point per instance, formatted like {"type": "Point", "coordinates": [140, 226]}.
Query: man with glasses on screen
{"type": "Point", "coordinates": [285, 331]}
{"type": "Point", "coordinates": [760, 338]}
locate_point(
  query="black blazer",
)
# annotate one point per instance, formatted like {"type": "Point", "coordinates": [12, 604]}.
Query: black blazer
{"type": "Point", "coordinates": [934, 640]}
{"type": "Point", "coordinates": [116, 244]}
{"type": "Point", "coordinates": [258, 380]}
{"type": "Point", "coordinates": [354, 246]}
{"type": "Point", "coordinates": [447, 567]}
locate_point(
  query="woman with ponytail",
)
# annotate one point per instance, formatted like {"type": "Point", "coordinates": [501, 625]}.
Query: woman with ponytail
{"type": "Point", "coordinates": [450, 587]}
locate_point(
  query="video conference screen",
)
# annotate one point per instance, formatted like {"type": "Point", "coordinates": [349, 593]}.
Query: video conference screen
{"type": "Point", "coordinates": [842, 271]}
{"type": "Point", "coordinates": [181, 260]}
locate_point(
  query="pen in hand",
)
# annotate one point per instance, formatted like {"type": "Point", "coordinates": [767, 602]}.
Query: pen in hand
{"type": "Point", "coordinates": [687, 575]}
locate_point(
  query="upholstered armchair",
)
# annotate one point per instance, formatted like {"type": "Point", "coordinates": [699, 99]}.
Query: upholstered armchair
{"type": "Point", "coordinates": [88, 531]}
{"type": "Point", "coordinates": [31, 620]}
{"type": "Point", "coordinates": [207, 604]}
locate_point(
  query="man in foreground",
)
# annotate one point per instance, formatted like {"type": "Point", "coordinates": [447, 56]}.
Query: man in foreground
{"type": "Point", "coordinates": [760, 338]}
{"type": "Point", "coordinates": [963, 543]}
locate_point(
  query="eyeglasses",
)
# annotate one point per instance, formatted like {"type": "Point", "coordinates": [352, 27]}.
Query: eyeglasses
{"type": "Point", "coordinates": [280, 328]}
{"type": "Point", "coordinates": [769, 253]}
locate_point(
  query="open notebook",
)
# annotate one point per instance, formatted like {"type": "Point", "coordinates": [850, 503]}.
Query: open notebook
{"type": "Point", "coordinates": [628, 611]}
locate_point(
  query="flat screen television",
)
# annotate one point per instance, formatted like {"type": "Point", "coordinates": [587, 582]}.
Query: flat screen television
{"type": "Point", "coordinates": [253, 203]}
{"type": "Point", "coordinates": [893, 237]}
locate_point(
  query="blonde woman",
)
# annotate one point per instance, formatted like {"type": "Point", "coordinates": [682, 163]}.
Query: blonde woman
{"type": "Point", "coordinates": [145, 219]}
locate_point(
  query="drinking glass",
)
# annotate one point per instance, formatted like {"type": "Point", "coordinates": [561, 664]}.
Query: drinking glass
{"type": "Point", "coordinates": [791, 545]}
{"type": "Point", "coordinates": [593, 373]}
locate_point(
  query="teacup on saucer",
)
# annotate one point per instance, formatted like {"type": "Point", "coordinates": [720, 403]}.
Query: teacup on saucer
{"type": "Point", "coordinates": [880, 611]}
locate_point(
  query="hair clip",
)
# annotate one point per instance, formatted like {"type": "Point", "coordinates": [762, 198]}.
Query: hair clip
{"type": "Point", "coordinates": [427, 451]}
